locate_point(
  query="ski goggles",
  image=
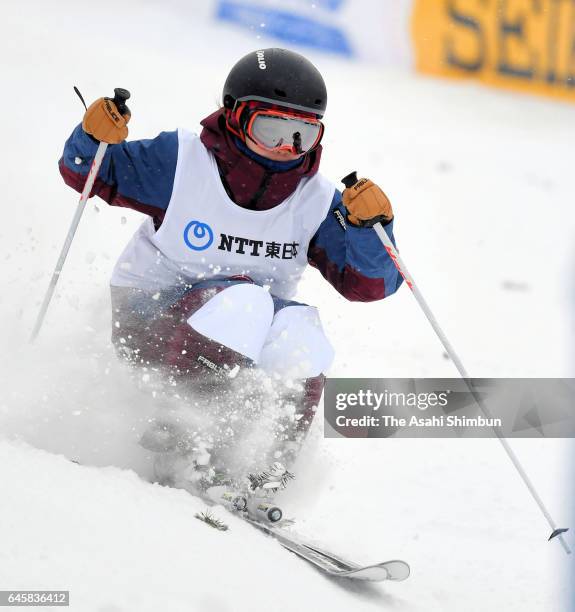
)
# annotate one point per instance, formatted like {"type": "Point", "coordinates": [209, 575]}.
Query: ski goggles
{"type": "Point", "coordinates": [276, 130]}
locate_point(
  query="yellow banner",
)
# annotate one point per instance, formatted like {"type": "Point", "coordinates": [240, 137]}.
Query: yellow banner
{"type": "Point", "coordinates": [526, 45]}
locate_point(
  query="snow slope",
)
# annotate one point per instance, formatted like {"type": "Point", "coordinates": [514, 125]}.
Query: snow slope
{"type": "Point", "coordinates": [481, 184]}
{"type": "Point", "coordinates": [117, 543]}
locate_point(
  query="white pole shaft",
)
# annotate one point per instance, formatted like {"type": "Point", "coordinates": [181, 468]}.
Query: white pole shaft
{"type": "Point", "coordinates": [68, 242]}
{"type": "Point", "coordinates": [402, 269]}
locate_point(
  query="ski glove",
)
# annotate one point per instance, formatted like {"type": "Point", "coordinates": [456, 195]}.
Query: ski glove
{"type": "Point", "coordinates": [366, 204]}
{"type": "Point", "coordinates": [104, 122]}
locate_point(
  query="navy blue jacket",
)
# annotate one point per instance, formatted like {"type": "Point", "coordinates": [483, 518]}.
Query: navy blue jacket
{"type": "Point", "coordinates": [140, 175]}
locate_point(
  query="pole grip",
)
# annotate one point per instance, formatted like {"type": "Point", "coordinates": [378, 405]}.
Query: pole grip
{"type": "Point", "coordinates": [119, 99]}
{"type": "Point", "coordinates": [350, 180]}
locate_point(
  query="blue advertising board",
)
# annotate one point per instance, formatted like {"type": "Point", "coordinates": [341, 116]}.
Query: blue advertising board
{"type": "Point", "coordinates": [291, 26]}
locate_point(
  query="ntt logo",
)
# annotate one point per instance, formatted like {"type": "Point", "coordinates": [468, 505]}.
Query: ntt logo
{"type": "Point", "coordinates": [198, 236]}
{"type": "Point", "coordinates": [261, 60]}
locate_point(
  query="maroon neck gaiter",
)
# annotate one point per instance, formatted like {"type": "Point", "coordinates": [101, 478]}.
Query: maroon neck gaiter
{"type": "Point", "coordinates": [248, 183]}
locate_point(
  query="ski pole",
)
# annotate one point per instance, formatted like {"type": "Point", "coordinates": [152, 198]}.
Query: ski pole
{"type": "Point", "coordinates": [349, 181]}
{"type": "Point", "coordinates": [120, 97]}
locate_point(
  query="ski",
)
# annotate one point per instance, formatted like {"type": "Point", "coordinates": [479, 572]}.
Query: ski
{"type": "Point", "coordinates": [331, 564]}
{"type": "Point", "coordinates": [267, 517]}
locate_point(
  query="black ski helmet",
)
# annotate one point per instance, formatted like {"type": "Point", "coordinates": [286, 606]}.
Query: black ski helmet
{"type": "Point", "coordinates": [276, 76]}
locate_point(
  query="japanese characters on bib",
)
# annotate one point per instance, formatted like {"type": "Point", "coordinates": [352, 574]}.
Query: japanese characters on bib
{"type": "Point", "coordinates": [205, 235]}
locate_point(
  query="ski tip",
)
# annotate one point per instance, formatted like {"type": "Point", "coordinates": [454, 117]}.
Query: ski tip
{"type": "Point", "coordinates": [557, 532]}
{"type": "Point", "coordinates": [397, 570]}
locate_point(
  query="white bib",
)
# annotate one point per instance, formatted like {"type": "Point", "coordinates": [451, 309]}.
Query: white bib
{"type": "Point", "coordinates": [205, 235]}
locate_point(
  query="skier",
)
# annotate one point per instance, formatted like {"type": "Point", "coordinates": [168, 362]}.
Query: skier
{"type": "Point", "coordinates": [205, 287]}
